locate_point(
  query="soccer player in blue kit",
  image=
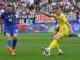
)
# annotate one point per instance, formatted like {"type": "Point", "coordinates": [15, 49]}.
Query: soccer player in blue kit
{"type": "Point", "coordinates": [8, 18]}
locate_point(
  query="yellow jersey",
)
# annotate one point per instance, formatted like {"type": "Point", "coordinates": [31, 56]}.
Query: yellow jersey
{"type": "Point", "coordinates": [61, 19]}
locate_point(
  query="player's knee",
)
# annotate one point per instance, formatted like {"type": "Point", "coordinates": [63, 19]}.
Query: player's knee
{"type": "Point", "coordinates": [15, 36]}
{"type": "Point", "coordinates": [8, 36]}
{"type": "Point", "coordinates": [56, 37]}
{"type": "Point", "coordinates": [15, 39]}
{"type": "Point", "coordinates": [54, 33]}
{"type": "Point", "coordinates": [53, 37]}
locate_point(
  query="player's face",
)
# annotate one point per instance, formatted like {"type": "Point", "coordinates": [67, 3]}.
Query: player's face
{"type": "Point", "coordinates": [56, 9]}
{"type": "Point", "coordinates": [8, 9]}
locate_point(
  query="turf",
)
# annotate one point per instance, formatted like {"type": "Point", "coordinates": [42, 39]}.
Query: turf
{"type": "Point", "coordinates": [29, 48]}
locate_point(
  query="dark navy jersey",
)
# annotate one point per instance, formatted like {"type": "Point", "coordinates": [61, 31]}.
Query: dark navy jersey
{"type": "Point", "coordinates": [9, 19]}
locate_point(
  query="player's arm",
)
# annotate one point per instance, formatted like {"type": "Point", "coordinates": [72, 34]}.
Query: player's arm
{"type": "Point", "coordinates": [48, 14]}
{"type": "Point", "coordinates": [69, 26]}
{"type": "Point", "coordinates": [57, 26]}
{"type": "Point", "coordinates": [63, 18]}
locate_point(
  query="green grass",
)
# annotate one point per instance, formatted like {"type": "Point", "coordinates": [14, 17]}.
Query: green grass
{"type": "Point", "coordinates": [29, 48]}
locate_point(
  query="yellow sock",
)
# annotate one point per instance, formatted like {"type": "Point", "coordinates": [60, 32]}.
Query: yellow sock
{"type": "Point", "coordinates": [54, 44]}
{"type": "Point", "coordinates": [57, 47]}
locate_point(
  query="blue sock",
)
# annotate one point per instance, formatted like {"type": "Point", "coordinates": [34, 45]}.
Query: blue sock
{"type": "Point", "coordinates": [9, 43]}
{"type": "Point", "coordinates": [14, 43]}
{"type": "Point", "coordinates": [72, 35]}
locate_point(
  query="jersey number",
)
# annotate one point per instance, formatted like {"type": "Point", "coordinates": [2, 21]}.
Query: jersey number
{"type": "Point", "coordinates": [10, 20]}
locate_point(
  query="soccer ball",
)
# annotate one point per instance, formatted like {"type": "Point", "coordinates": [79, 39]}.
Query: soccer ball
{"type": "Point", "coordinates": [46, 53]}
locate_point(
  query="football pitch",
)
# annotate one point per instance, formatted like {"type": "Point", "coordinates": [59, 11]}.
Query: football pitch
{"type": "Point", "coordinates": [29, 47]}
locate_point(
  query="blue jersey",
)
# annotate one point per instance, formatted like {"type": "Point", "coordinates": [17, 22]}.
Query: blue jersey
{"type": "Point", "coordinates": [9, 19]}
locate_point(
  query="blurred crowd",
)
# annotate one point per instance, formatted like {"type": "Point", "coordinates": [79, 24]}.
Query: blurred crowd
{"type": "Point", "coordinates": [30, 8]}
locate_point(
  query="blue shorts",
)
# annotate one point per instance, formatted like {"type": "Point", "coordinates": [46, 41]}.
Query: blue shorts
{"type": "Point", "coordinates": [56, 29]}
{"type": "Point", "coordinates": [11, 30]}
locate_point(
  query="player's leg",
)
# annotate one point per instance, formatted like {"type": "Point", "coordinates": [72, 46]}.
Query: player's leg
{"type": "Point", "coordinates": [9, 37]}
{"type": "Point", "coordinates": [55, 38]}
{"type": "Point", "coordinates": [53, 44]}
{"type": "Point", "coordinates": [9, 44]}
{"type": "Point", "coordinates": [14, 40]}
{"type": "Point", "coordinates": [54, 32]}
{"type": "Point", "coordinates": [62, 32]}
{"type": "Point", "coordinates": [73, 35]}
{"type": "Point", "coordinates": [7, 33]}
{"type": "Point", "coordinates": [14, 43]}
{"type": "Point", "coordinates": [47, 50]}
{"type": "Point", "coordinates": [14, 32]}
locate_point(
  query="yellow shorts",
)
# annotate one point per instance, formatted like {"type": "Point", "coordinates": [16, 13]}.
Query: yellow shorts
{"type": "Point", "coordinates": [63, 32]}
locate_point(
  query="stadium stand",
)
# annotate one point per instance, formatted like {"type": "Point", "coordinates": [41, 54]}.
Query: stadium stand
{"type": "Point", "coordinates": [28, 11]}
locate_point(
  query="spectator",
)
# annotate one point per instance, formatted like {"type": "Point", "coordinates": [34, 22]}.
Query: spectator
{"type": "Point", "coordinates": [71, 15]}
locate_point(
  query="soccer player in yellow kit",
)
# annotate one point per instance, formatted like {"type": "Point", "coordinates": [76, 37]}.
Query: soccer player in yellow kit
{"type": "Point", "coordinates": [63, 31]}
